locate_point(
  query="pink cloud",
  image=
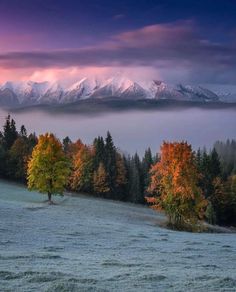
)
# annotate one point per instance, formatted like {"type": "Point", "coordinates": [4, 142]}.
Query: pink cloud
{"type": "Point", "coordinates": [158, 34]}
{"type": "Point", "coordinates": [177, 47]}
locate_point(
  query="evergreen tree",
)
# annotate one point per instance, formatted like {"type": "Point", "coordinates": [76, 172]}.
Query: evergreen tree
{"type": "Point", "coordinates": [2, 160]}
{"type": "Point", "coordinates": [110, 163]}
{"type": "Point", "coordinates": [121, 179]}
{"type": "Point", "coordinates": [206, 178]}
{"type": "Point", "coordinates": [215, 165]}
{"type": "Point", "coordinates": [99, 148]}
{"type": "Point", "coordinates": [135, 184]}
{"type": "Point", "coordinates": [23, 131]}
{"type": "Point", "coordinates": [9, 132]}
{"type": "Point", "coordinates": [146, 166]}
{"type": "Point", "coordinates": [66, 142]}
{"type": "Point", "coordinates": [32, 141]}
{"type": "Point", "coordinates": [18, 156]}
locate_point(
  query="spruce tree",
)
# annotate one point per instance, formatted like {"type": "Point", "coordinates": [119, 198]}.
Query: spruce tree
{"type": "Point", "coordinates": [99, 147]}
{"type": "Point", "coordinates": [9, 132]}
{"type": "Point", "coordinates": [23, 131]}
{"type": "Point", "coordinates": [110, 163]}
{"type": "Point", "coordinates": [66, 142]}
{"type": "Point", "coordinates": [215, 166]}
{"type": "Point", "coordinates": [136, 194]}
{"type": "Point", "coordinates": [146, 166]}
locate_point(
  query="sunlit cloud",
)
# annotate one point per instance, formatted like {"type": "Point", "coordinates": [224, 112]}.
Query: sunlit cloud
{"type": "Point", "coordinates": [155, 50]}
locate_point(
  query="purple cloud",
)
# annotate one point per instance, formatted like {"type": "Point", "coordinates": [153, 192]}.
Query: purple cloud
{"type": "Point", "coordinates": [163, 46]}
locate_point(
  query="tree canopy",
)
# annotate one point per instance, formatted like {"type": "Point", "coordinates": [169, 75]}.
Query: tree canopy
{"type": "Point", "coordinates": [48, 168]}
{"type": "Point", "coordinates": [175, 180]}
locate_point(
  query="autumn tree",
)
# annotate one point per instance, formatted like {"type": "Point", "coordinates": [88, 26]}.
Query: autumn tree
{"type": "Point", "coordinates": [175, 180]}
{"type": "Point", "coordinates": [81, 178]}
{"type": "Point", "coordinates": [100, 180]}
{"type": "Point", "coordinates": [48, 167]}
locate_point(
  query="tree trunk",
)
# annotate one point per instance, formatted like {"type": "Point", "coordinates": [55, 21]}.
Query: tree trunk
{"type": "Point", "coordinates": [49, 197]}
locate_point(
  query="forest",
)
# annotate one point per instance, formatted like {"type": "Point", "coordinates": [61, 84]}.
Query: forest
{"type": "Point", "coordinates": [188, 185]}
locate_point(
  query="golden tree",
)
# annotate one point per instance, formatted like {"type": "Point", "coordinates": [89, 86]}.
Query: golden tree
{"type": "Point", "coordinates": [48, 167]}
{"type": "Point", "coordinates": [175, 180]}
{"type": "Point", "coordinates": [100, 182]}
{"type": "Point", "coordinates": [82, 168]}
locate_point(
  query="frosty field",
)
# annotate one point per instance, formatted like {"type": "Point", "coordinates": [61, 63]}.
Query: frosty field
{"type": "Point", "coordinates": [89, 244]}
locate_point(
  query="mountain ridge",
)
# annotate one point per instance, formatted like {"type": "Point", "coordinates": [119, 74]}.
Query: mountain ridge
{"type": "Point", "coordinates": [38, 93]}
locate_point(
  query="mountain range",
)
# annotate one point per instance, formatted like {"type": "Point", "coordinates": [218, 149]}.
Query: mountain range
{"type": "Point", "coordinates": [39, 93]}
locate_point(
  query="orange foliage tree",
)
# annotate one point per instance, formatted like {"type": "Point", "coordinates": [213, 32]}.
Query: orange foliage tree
{"type": "Point", "coordinates": [174, 179]}
{"type": "Point", "coordinates": [82, 167]}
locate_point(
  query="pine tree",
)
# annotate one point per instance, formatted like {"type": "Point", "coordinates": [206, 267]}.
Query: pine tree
{"type": "Point", "coordinates": [66, 142]}
{"type": "Point", "coordinates": [134, 187]}
{"type": "Point", "coordinates": [32, 141]}
{"type": "Point", "coordinates": [121, 179]}
{"type": "Point", "coordinates": [2, 160]}
{"type": "Point", "coordinates": [48, 168]}
{"type": "Point", "coordinates": [135, 184]}
{"type": "Point", "coordinates": [9, 132]}
{"type": "Point", "coordinates": [23, 131]}
{"type": "Point", "coordinates": [110, 163]}
{"type": "Point", "coordinates": [18, 156]}
{"type": "Point", "coordinates": [146, 166]}
{"type": "Point", "coordinates": [99, 148]}
{"type": "Point", "coordinates": [215, 165]}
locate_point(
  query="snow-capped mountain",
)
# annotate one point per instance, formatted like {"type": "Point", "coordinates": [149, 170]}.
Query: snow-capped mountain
{"type": "Point", "coordinates": [8, 97]}
{"type": "Point", "coordinates": [82, 89]}
{"type": "Point", "coordinates": [27, 92]}
{"type": "Point", "coordinates": [31, 93]}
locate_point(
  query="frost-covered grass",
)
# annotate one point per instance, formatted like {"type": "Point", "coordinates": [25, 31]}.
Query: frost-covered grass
{"type": "Point", "coordinates": [89, 244]}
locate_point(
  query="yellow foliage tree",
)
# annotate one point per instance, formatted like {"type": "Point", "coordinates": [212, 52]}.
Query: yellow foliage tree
{"type": "Point", "coordinates": [100, 183]}
{"type": "Point", "coordinates": [48, 167]}
{"type": "Point", "coordinates": [175, 180]}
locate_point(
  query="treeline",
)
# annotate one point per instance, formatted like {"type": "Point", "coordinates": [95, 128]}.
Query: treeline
{"type": "Point", "coordinates": [217, 181]}
{"type": "Point", "coordinates": [192, 185]}
{"type": "Point", "coordinates": [15, 150]}
{"type": "Point", "coordinates": [227, 153]}
{"type": "Point", "coordinates": [187, 185]}
{"type": "Point", "coordinates": [99, 169]}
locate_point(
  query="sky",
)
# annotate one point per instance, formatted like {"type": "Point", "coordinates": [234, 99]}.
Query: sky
{"type": "Point", "coordinates": [176, 41]}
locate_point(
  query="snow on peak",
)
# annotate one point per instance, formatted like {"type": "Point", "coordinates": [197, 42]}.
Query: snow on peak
{"type": "Point", "coordinates": [30, 92]}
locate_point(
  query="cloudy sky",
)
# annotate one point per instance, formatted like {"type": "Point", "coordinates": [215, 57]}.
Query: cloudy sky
{"type": "Point", "coordinates": [176, 41]}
